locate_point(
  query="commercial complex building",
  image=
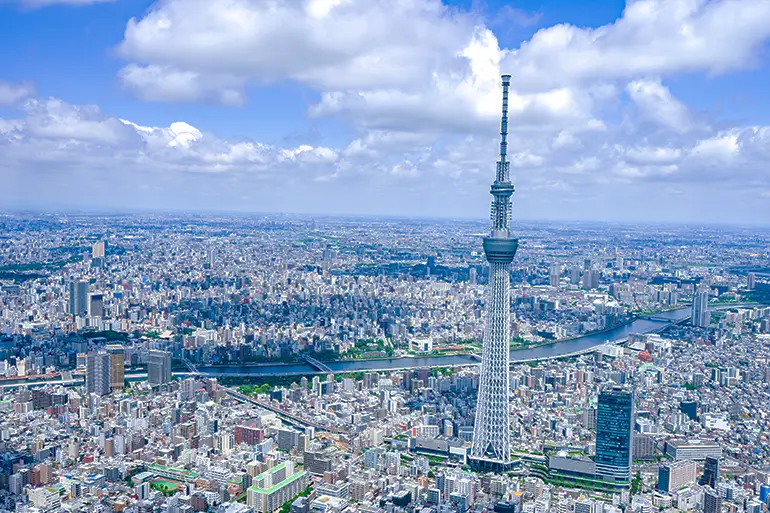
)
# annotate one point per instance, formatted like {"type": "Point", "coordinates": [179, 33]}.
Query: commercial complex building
{"type": "Point", "coordinates": [696, 450]}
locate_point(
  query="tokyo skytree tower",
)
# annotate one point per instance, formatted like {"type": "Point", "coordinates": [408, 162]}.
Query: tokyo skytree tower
{"type": "Point", "coordinates": [491, 431]}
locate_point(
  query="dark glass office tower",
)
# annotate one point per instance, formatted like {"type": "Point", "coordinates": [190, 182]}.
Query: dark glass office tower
{"type": "Point", "coordinates": [614, 431]}
{"type": "Point", "coordinates": [710, 472]}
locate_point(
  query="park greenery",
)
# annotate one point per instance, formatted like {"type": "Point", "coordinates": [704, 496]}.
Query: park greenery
{"type": "Point", "coordinates": [368, 345]}
{"type": "Point", "coordinates": [253, 390]}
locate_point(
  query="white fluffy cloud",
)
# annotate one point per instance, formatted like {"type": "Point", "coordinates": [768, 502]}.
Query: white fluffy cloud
{"type": "Point", "coordinates": [58, 154]}
{"type": "Point", "coordinates": [653, 37]}
{"type": "Point", "coordinates": [11, 94]}
{"type": "Point", "coordinates": [411, 64]}
{"type": "Point", "coordinates": [164, 83]}
{"type": "Point", "coordinates": [657, 105]}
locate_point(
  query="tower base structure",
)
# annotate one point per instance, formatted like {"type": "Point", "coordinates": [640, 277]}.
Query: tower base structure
{"type": "Point", "coordinates": [482, 464]}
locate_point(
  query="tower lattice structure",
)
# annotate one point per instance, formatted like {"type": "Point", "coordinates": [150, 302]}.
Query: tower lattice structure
{"type": "Point", "coordinates": [491, 431]}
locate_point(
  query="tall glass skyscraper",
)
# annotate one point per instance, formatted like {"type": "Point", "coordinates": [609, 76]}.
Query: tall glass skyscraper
{"type": "Point", "coordinates": [710, 472]}
{"type": "Point", "coordinates": [614, 434]}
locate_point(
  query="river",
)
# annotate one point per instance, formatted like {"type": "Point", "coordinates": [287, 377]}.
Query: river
{"type": "Point", "coordinates": [543, 352]}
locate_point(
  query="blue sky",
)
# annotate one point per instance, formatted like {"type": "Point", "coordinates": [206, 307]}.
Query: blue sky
{"type": "Point", "coordinates": [651, 111]}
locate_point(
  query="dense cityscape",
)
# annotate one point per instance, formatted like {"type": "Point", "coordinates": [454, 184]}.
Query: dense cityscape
{"type": "Point", "coordinates": [258, 363]}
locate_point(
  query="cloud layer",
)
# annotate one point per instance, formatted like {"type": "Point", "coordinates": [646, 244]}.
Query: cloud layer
{"type": "Point", "coordinates": [595, 131]}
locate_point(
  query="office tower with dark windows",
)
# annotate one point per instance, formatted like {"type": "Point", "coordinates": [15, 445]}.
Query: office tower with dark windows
{"type": "Point", "coordinates": [158, 367]}
{"type": "Point", "coordinates": [491, 432]}
{"type": "Point", "coordinates": [117, 365]}
{"type": "Point", "coordinates": [98, 373]}
{"type": "Point", "coordinates": [96, 305]}
{"type": "Point", "coordinates": [689, 408]}
{"type": "Point", "coordinates": [701, 317]}
{"type": "Point", "coordinates": [614, 433]}
{"type": "Point", "coordinates": [78, 295]}
{"type": "Point", "coordinates": [710, 475]}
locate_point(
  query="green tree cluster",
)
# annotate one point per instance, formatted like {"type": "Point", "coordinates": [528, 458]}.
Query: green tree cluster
{"type": "Point", "coordinates": [253, 390]}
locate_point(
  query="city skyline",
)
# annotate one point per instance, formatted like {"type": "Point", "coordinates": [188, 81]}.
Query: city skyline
{"type": "Point", "coordinates": [603, 126]}
{"type": "Point", "coordinates": [259, 365]}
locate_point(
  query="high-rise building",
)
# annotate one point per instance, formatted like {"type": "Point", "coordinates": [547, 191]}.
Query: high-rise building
{"type": "Point", "coordinates": [614, 433]}
{"type": "Point", "coordinates": [701, 317]}
{"type": "Point", "coordinates": [97, 249]}
{"type": "Point", "coordinates": [591, 279]}
{"type": "Point", "coordinates": [117, 365]}
{"type": "Point", "coordinates": [574, 276]}
{"type": "Point", "coordinates": [712, 501]}
{"type": "Point", "coordinates": [78, 297]}
{"type": "Point", "coordinates": [96, 305]}
{"type": "Point", "coordinates": [751, 281]}
{"type": "Point", "coordinates": [710, 475]}
{"type": "Point", "coordinates": [689, 408]}
{"type": "Point", "coordinates": [676, 475]}
{"type": "Point", "coordinates": [97, 254]}
{"type": "Point", "coordinates": [98, 373]}
{"type": "Point", "coordinates": [158, 367]}
{"type": "Point", "coordinates": [554, 275]}
{"type": "Point", "coordinates": [491, 431]}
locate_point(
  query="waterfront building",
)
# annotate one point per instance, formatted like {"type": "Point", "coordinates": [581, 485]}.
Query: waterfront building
{"type": "Point", "coordinates": [98, 373]}
{"type": "Point", "coordinates": [158, 367]}
{"type": "Point", "coordinates": [701, 317]}
{"type": "Point", "coordinates": [117, 365]}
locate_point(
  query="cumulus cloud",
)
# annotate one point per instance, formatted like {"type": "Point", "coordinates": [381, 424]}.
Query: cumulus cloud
{"type": "Point", "coordinates": [421, 64]}
{"type": "Point", "coordinates": [59, 154]}
{"type": "Point", "coordinates": [11, 94]}
{"type": "Point", "coordinates": [420, 83]}
{"type": "Point", "coordinates": [653, 37]}
{"type": "Point", "coordinates": [165, 83]}
{"type": "Point", "coordinates": [656, 104]}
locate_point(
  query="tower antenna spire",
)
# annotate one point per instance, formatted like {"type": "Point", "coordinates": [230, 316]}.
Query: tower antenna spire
{"type": "Point", "coordinates": [504, 119]}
